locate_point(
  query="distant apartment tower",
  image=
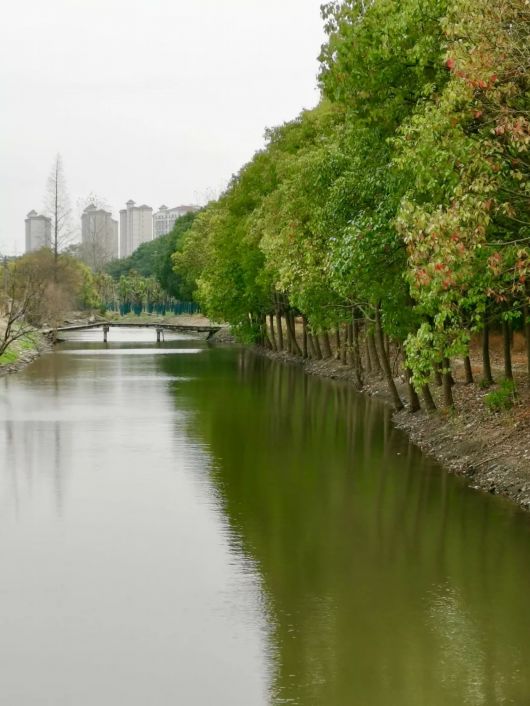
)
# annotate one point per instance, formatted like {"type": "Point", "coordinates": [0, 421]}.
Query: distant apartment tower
{"type": "Point", "coordinates": [136, 227]}
{"type": "Point", "coordinates": [99, 237]}
{"type": "Point", "coordinates": [38, 231]}
{"type": "Point", "coordinates": [164, 219]}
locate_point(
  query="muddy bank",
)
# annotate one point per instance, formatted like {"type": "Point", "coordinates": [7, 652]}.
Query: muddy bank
{"type": "Point", "coordinates": [491, 450]}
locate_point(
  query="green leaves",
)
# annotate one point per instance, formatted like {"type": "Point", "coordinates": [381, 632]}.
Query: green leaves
{"type": "Point", "coordinates": [408, 186]}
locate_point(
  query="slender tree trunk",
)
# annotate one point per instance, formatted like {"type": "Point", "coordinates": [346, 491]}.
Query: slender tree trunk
{"type": "Point", "coordinates": [351, 358]}
{"type": "Point", "coordinates": [374, 357]}
{"type": "Point", "coordinates": [316, 343]}
{"type": "Point", "coordinates": [438, 375]}
{"type": "Point", "coordinates": [414, 400]}
{"type": "Point", "coordinates": [304, 337]}
{"type": "Point", "coordinates": [312, 349]}
{"type": "Point", "coordinates": [56, 225]}
{"type": "Point", "coordinates": [398, 404]}
{"type": "Point", "coordinates": [279, 328]}
{"type": "Point", "coordinates": [337, 343]}
{"type": "Point", "coordinates": [506, 338]}
{"type": "Point", "coordinates": [290, 346]}
{"type": "Point", "coordinates": [486, 360]}
{"type": "Point", "coordinates": [526, 328]}
{"type": "Point", "coordinates": [357, 351]}
{"type": "Point", "coordinates": [273, 335]}
{"type": "Point", "coordinates": [447, 384]}
{"type": "Point", "coordinates": [430, 406]}
{"type": "Point", "coordinates": [369, 366]}
{"type": "Point", "coordinates": [292, 333]}
{"type": "Point", "coordinates": [262, 323]}
{"type": "Point", "coordinates": [326, 345]}
{"type": "Point", "coordinates": [344, 348]}
{"type": "Point", "coordinates": [468, 370]}
{"type": "Point", "coordinates": [451, 377]}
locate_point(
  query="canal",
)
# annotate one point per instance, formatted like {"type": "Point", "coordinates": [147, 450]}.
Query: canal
{"type": "Point", "coordinates": [185, 524]}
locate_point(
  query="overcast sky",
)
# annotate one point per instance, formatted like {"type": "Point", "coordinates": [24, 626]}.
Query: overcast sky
{"type": "Point", "coordinates": [160, 101]}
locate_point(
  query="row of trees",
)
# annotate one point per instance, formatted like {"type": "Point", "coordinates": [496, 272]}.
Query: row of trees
{"type": "Point", "coordinates": [398, 209]}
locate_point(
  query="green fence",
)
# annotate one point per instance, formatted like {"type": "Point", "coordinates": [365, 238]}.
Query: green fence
{"type": "Point", "coordinates": [172, 307]}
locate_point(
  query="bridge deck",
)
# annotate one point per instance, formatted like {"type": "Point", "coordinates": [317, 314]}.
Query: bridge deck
{"type": "Point", "coordinates": [179, 328]}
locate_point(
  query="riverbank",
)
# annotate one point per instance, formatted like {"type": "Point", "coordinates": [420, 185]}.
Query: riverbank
{"type": "Point", "coordinates": [491, 450]}
{"type": "Point", "coordinates": [23, 352]}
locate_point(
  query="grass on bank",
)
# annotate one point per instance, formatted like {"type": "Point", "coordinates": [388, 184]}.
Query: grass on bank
{"type": "Point", "coordinates": [14, 351]}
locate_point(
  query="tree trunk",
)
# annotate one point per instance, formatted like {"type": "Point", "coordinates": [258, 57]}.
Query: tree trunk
{"type": "Point", "coordinates": [447, 380]}
{"type": "Point", "coordinates": [273, 335]}
{"type": "Point", "coordinates": [312, 350]}
{"type": "Point", "coordinates": [398, 404]}
{"type": "Point", "coordinates": [304, 337]}
{"type": "Point", "coordinates": [430, 406]}
{"type": "Point", "coordinates": [414, 400]}
{"type": "Point", "coordinates": [357, 351]}
{"type": "Point", "coordinates": [526, 328]}
{"type": "Point", "coordinates": [351, 358]}
{"type": "Point", "coordinates": [369, 366]}
{"type": "Point", "coordinates": [316, 343]}
{"type": "Point", "coordinates": [437, 375]}
{"type": "Point", "coordinates": [295, 348]}
{"type": "Point", "coordinates": [486, 360]}
{"type": "Point", "coordinates": [265, 340]}
{"type": "Point", "coordinates": [506, 338]}
{"type": "Point", "coordinates": [468, 369]}
{"type": "Point", "coordinates": [56, 226]}
{"type": "Point", "coordinates": [279, 328]}
{"type": "Point", "coordinates": [327, 345]}
{"type": "Point", "coordinates": [372, 349]}
{"type": "Point", "coordinates": [344, 348]}
{"type": "Point", "coordinates": [337, 343]}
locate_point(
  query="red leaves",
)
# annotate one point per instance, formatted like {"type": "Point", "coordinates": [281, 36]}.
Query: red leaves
{"type": "Point", "coordinates": [494, 262]}
{"type": "Point", "coordinates": [450, 63]}
{"type": "Point", "coordinates": [422, 277]}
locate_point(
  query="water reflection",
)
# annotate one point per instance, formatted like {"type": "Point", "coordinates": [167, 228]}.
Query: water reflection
{"type": "Point", "coordinates": [223, 529]}
{"type": "Point", "coordinates": [131, 586]}
{"type": "Point", "coordinates": [354, 533]}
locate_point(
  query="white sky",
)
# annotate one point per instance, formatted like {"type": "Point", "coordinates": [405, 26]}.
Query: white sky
{"type": "Point", "coordinates": [160, 101]}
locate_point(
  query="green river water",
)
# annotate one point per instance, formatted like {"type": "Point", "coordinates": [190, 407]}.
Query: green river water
{"type": "Point", "coordinates": [184, 524]}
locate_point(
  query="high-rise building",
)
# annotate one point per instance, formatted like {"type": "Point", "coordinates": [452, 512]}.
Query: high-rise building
{"type": "Point", "coordinates": [99, 236]}
{"type": "Point", "coordinates": [38, 231]}
{"type": "Point", "coordinates": [164, 219]}
{"type": "Point", "coordinates": [136, 227]}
